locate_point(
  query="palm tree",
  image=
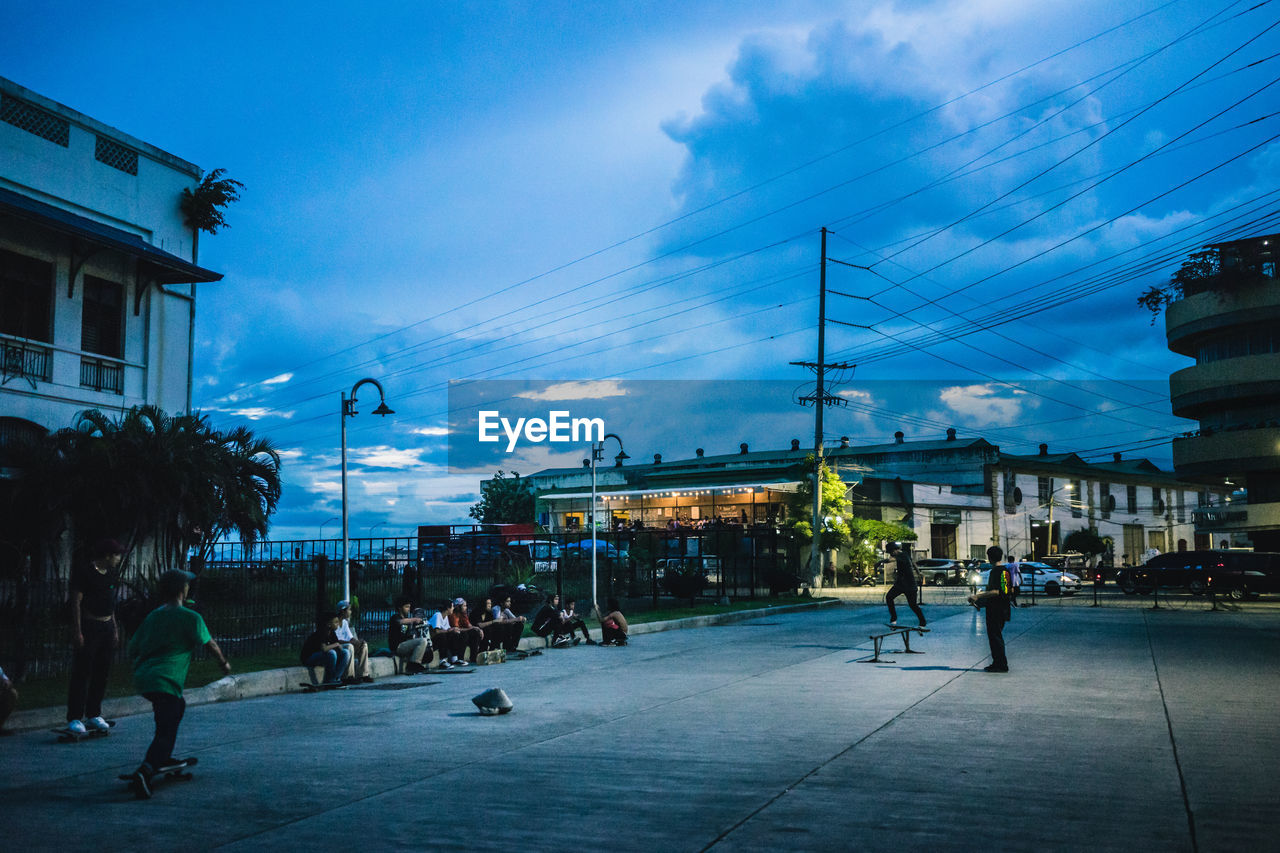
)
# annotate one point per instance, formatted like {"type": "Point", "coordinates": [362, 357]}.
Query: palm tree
{"type": "Point", "coordinates": [161, 484]}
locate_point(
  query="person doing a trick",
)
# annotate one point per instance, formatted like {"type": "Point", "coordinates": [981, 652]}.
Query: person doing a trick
{"type": "Point", "coordinates": [906, 580]}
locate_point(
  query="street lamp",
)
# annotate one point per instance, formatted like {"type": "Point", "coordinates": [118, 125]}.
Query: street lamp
{"type": "Point", "coordinates": [1048, 540]}
{"type": "Point", "coordinates": [327, 521]}
{"type": "Point", "coordinates": [348, 410]}
{"type": "Point", "coordinates": [597, 454]}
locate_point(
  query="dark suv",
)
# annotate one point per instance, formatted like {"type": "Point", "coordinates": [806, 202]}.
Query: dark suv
{"type": "Point", "coordinates": [1235, 573]}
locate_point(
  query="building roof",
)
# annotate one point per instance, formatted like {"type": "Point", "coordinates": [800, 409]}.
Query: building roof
{"type": "Point", "coordinates": [160, 265]}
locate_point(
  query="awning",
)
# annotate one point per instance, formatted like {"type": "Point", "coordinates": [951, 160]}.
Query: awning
{"type": "Point", "coordinates": [157, 264]}
{"type": "Point", "coordinates": [723, 490]}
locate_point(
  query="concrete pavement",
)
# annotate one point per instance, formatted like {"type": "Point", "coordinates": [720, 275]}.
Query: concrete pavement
{"type": "Point", "coordinates": [1117, 729]}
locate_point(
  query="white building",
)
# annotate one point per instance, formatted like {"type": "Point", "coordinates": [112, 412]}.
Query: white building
{"type": "Point", "coordinates": [97, 268]}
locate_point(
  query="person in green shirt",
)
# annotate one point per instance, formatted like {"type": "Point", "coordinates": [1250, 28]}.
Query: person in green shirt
{"type": "Point", "coordinates": [161, 650]}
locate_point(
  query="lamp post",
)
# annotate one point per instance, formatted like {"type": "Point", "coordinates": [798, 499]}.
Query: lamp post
{"type": "Point", "coordinates": [597, 453]}
{"type": "Point", "coordinates": [348, 410]}
{"type": "Point", "coordinates": [327, 521]}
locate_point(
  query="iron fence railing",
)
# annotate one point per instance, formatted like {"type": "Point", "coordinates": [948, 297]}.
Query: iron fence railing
{"type": "Point", "coordinates": [266, 596]}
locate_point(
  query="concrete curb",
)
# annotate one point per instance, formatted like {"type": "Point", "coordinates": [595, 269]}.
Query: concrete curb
{"type": "Point", "coordinates": [268, 682]}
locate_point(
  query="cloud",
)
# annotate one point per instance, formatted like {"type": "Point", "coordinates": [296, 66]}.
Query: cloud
{"type": "Point", "coordinates": [430, 432]}
{"type": "Point", "coordinates": [384, 456]}
{"type": "Point", "coordinates": [985, 405]}
{"type": "Point", "coordinates": [593, 390]}
{"type": "Point", "coordinates": [278, 380]}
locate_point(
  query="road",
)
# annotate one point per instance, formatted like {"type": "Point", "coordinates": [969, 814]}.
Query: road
{"type": "Point", "coordinates": [1118, 728]}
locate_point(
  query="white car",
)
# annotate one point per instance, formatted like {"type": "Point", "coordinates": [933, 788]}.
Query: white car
{"type": "Point", "coordinates": [1045, 579]}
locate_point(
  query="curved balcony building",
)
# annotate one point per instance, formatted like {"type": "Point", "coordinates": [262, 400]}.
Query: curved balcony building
{"type": "Point", "coordinates": [1231, 327]}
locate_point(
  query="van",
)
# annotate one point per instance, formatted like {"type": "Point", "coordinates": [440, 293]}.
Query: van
{"type": "Point", "coordinates": [543, 554]}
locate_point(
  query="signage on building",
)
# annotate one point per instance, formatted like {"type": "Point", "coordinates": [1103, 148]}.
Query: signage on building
{"type": "Point", "coordinates": [1219, 516]}
{"type": "Point", "coordinates": [946, 516]}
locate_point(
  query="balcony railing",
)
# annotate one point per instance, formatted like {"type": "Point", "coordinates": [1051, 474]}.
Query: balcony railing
{"type": "Point", "coordinates": [23, 360]}
{"type": "Point", "coordinates": [102, 375]}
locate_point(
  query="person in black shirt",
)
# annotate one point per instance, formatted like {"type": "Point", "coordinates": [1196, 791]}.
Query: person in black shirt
{"type": "Point", "coordinates": [322, 648]}
{"type": "Point", "coordinates": [94, 634]}
{"type": "Point", "coordinates": [407, 637]}
{"type": "Point", "coordinates": [905, 582]}
{"type": "Point", "coordinates": [996, 599]}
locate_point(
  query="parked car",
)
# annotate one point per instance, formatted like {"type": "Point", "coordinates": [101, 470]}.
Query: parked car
{"type": "Point", "coordinates": [1234, 573]}
{"type": "Point", "coordinates": [939, 571]}
{"type": "Point", "coordinates": [1043, 578]}
{"type": "Point", "coordinates": [542, 554]}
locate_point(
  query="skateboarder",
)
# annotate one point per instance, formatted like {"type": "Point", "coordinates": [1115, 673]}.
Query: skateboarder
{"type": "Point", "coordinates": [161, 651]}
{"type": "Point", "coordinates": [94, 635]}
{"type": "Point", "coordinates": [996, 601]}
{"type": "Point", "coordinates": [905, 582]}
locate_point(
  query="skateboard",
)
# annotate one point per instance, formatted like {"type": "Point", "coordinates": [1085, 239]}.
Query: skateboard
{"type": "Point", "coordinates": [308, 687]}
{"type": "Point", "coordinates": [178, 770]}
{"type": "Point", "coordinates": [456, 670]}
{"type": "Point", "coordinates": [915, 628]}
{"type": "Point", "coordinates": [65, 735]}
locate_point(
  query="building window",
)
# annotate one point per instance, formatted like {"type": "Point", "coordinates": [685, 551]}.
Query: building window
{"type": "Point", "coordinates": [26, 297]}
{"type": "Point", "coordinates": [1044, 485]}
{"type": "Point", "coordinates": [1182, 509]}
{"type": "Point", "coordinates": [116, 155]}
{"type": "Point", "coordinates": [102, 317]}
{"type": "Point", "coordinates": [1077, 498]}
{"type": "Point", "coordinates": [1105, 501]}
{"type": "Point", "coordinates": [32, 119]}
{"type": "Point", "coordinates": [1157, 501]}
{"type": "Point", "coordinates": [1202, 498]}
{"type": "Point", "coordinates": [1131, 493]}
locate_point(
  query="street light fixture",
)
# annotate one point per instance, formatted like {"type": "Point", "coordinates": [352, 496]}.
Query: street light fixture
{"type": "Point", "coordinates": [327, 521]}
{"type": "Point", "coordinates": [348, 410]}
{"type": "Point", "coordinates": [597, 454]}
{"type": "Point", "coordinates": [1048, 541]}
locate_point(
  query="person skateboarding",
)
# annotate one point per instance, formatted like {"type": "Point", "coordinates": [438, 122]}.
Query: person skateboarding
{"type": "Point", "coordinates": [161, 651]}
{"type": "Point", "coordinates": [995, 599]}
{"type": "Point", "coordinates": [905, 582]}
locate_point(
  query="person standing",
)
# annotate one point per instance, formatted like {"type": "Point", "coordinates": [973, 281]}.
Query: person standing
{"type": "Point", "coordinates": [906, 582]}
{"type": "Point", "coordinates": [94, 634]}
{"type": "Point", "coordinates": [995, 599]}
{"type": "Point", "coordinates": [8, 701]}
{"type": "Point", "coordinates": [161, 651]}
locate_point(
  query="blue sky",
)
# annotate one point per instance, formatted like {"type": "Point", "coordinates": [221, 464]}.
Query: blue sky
{"type": "Point", "coordinates": [593, 191]}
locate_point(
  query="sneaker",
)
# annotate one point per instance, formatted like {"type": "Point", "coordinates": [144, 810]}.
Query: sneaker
{"type": "Point", "coordinates": [367, 679]}
{"type": "Point", "coordinates": [444, 664]}
{"type": "Point", "coordinates": [577, 640]}
{"type": "Point", "coordinates": [97, 724]}
{"type": "Point", "coordinates": [560, 642]}
{"type": "Point", "coordinates": [140, 781]}
{"type": "Point", "coordinates": [591, 642]}
{"type": "Point", "coordinates": [76, 727]}
{"type": "Point", "coordinates": [994, 668]}
{"type": "Point", "coordinates": [414, 668]}
{"type": "Point", "coordinates": [457, 661]}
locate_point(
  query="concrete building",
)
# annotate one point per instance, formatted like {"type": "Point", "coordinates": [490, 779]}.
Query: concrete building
{"type": "Point", "coordinates": [1229, 322]}
{"type": "Point", "coordinates": [97, 268]}
{"type": "Point", "coordinates": [959, 495]}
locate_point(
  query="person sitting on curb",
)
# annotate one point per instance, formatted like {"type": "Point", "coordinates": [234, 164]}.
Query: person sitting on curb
{"type": "Point", "coordinates": [513, 624]}
{"type": "Point", "coordinates": [546, 622]}
{"type": "Point", "coordinates": [472, 637]}
{"type": "Point", "coordinates": [613, 625]}
{"type": "Point", "coordinates": [569, 623]}
{"type": "Point", "coordinates": [498, 633]}
{"type": "Point", "coordinates": [8, 701]}
{"type": "Point", "coordinates": [407, 637]}
{"type": "Point", "coordinates": [321, 648]}
{"type": "Point", "coordinates": [161, 650]}
{"type": "Point", "coordinates": [357, 649]}
{"type": "Point", "coordinates": [447, 639]}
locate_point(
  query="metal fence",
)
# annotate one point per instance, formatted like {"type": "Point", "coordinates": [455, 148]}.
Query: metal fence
{"type": "Point", "coordinates": [265, 597]}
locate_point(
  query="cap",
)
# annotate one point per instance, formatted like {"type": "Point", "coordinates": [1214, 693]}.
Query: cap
{"type": "Point", "coordinates": [343, 604]}
{"type": "Point", "coordinates": [459, 601]}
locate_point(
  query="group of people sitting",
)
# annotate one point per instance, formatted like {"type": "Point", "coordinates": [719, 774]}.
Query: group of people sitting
{"type": "Point", "coordinates": [458, 633]}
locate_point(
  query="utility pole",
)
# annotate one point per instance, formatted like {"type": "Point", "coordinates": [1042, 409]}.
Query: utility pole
{"type": "Point", "coordinates": [820, 400]}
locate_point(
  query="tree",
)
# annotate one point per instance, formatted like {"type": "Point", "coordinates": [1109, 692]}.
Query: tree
{"type": "Point", "coordinates": [1085, 541]}
{"type": "Point", "coordinates": [835, 506]}
{"type": "Point", "coordinates": [1204, 272]}
{"type": "Point", "coordinates": [202, 209]}
{"type": "Point", "coordinates": [867, 534]}
{"type": "Point", "coordinates": [169, 482]}
{"type": "Point", "coordinates": [504, 500]}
